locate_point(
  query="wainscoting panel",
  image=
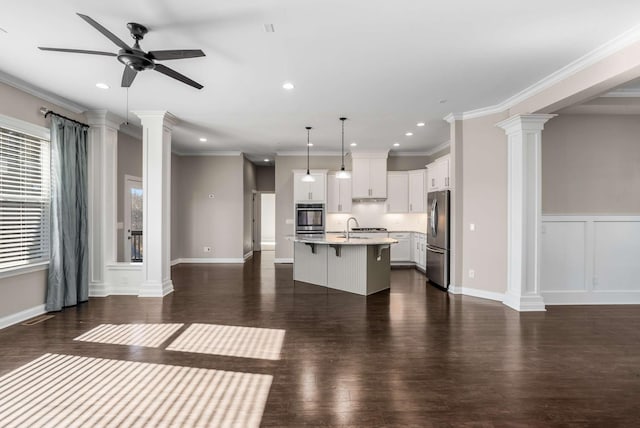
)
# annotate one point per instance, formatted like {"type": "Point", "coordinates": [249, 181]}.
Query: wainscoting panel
{"type": "Point", "coordinates": [590, 259]}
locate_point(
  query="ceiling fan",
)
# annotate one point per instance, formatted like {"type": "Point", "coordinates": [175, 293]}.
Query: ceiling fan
{"type": "Point", "coordinates": [134, 58]}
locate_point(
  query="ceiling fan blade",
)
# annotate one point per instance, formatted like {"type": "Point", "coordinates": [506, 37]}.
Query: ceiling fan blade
{"type": "Point", "coordinates": [108, 34]}
{"type": "Point", "coordinates": [127, 76]}
{"type": "Point", "coordinates": [176, 54]}
{"type": "Point", "coordinates": [172, 73]}
{"type": "Point", "coordinates": [78, 51]}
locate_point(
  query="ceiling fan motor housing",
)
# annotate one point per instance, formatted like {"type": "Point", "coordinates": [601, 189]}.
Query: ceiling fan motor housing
{"type": "Point", "coordinates": [135, 59]}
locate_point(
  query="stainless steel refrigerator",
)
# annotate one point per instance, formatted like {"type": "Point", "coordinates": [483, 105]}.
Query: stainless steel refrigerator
{"type": "Point", "coordinates": [438, 238]}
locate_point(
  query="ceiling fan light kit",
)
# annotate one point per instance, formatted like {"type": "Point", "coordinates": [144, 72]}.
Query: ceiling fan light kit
{"type": "Point", "coordinates": [134, 58]}
{"type": "Point", "coordinates": [308, 178]}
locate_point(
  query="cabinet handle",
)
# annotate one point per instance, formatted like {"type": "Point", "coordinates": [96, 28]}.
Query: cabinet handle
{"type": "Point", "coordinates": [433, 182]}
{"type": "Point", "coordinates": [339, 207]}
{"type": "Point", "coordinates": [446, 181]}
{"type": "Point", "coordinates": [388, 207]}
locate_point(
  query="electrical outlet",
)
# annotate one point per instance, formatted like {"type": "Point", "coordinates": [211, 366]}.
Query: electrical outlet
{"type": "Point", "coordinates": [207, 249]}
{"type": "Point", "coordinates": [472, 273]}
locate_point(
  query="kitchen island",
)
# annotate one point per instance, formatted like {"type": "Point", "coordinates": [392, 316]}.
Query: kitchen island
{"type": "Point", "coordinates": [356, 265]}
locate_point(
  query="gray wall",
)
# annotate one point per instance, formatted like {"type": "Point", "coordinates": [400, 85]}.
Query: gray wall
{"type": "Point", "coordinates": [265, 178]}
{"type": "Point", "coordinates": [21, 292]}
{"type": "Point", "coordinates": [249, 185]}
{"type": "Point", "coordinates": [176, 252]}
{"type": "Point", "coordinates": [439, 154]}
{"type": "Point", "coordinates": [129, 163]}
{"type": "Point", "coordinates": [591, 165]}
{"type": "Point", "coordinates": [406, 163]}
{"type": "Point", "coordinates": [214, 222]}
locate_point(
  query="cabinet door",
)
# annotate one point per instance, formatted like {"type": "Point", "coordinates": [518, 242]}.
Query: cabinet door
{"type": "Point", "coordinates": [417, 193]}
{"type": "Point", "coordinates": [333, 194]}
{"type": "Point", "coordinates": [398, 192]}
{"type": "Point", "coordinates": [317, 188]}
{"type": "Point", "coordinates": [300, 188]}
{"type": "Point", "coordinates": [378, 178]}
{"type": "Point", "coordinates": [444, 172]}
{"type": "Point", "coordinates": [423, 251]}
{"type": "Point", "coordinates": [415, 247]}
{"type": "Point", "coordinates": [401, 252]}
{"type": "Point", "coordinates": [345, 195]}
{"type": "Point", "coordinates": [360, 178]}
{"type": "Point", "coordinates": [432, 177]}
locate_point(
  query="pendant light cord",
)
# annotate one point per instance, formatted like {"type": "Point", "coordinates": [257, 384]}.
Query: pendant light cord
{"type": "Point", "coordinates": [308, 131]}
{"type": "Point", "coordinates": [343, 119]}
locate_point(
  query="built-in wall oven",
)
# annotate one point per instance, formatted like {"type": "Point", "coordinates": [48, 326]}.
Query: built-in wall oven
{"type": "Point", "coordinates": [310, 218]}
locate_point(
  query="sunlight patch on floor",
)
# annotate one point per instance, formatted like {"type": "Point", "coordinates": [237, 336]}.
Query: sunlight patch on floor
{"type": "Point", "coordinates": [149, 335]}
{"type": "Point", "coordinates": [63, 390]}
{"type": "Point", "coordinates": [235, 341]}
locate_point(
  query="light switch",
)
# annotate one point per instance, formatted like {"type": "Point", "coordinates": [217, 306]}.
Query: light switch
{"type": "Point", "coordinates": [472, 227]}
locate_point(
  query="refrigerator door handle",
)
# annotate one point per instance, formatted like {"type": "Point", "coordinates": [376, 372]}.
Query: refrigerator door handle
{"type": "Point", "coordinates": [435, 250]}
{"type": "Point", "coordinates": [434, 205]}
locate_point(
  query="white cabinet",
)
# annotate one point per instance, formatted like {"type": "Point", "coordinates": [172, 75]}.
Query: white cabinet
{"type": "Point", "coordinates": [401, 252]}
{"type": "Point", "coordinates": [438, 174]}
{"type": "Point", "coordinates": [417, 192]}
{"type": "Point", "coordinates": [338, 194]}
{"type": "Point", "coordinates": [419, 249]}
{"type": "Point", "coordinates": [369, 176]}
{"type": "Point", "coordinates": [309, 192]}
{"type": "Point", "coordinates": [398, 192]}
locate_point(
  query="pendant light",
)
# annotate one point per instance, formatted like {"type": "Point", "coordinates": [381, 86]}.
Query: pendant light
{"type": "Point", "coordinates": [342, 173]}
{"type": "Point", "coordinates": [308, 178]}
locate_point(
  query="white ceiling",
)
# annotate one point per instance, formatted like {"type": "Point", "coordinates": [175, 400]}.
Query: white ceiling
{"type": "Point", "coordinates": [385, 65]}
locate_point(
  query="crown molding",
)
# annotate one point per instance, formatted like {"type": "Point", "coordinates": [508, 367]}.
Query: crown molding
{"type": "Point", "coordinates": [407, 154]}
{"type": "Point", "coordinates": [304, 153]}
{"type": "Point", "coordinates": [438, 148]}
{"type": "Point", "coordinates": [220, 153]}
{"type": "Point", "coordinates": [452, 117]}
{"type": "Point", "coordinates": [612, 46]}
{"type": "Point", "coordinates": [622, 93]}
{"type": "Point", "coordinates": [41, 93]}
{"type": "Point", "coordinates": [131, 130]}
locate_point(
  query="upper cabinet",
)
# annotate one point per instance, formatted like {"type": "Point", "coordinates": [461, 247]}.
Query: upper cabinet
{"type": "Point", "coordinates": [338, 194]}
{"type": "Point", "coordinates": [398, 185]}
{"type": "Point", "coordinates": [369, 176]}
{"type": "Point", "coordinates": [438, 174]}
{"type": "Point", "coordinates": [310, 192]}
{"type": "Point", "coordinates": [417, 191]}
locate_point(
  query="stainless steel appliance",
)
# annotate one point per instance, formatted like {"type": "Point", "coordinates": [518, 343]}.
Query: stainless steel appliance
{"type": "Point", "coordinates": [310, 218]}
{"type": "Point", "coordinates": [438, 238]}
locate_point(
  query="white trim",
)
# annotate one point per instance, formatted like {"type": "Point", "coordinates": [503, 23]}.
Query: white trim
{"type": "Point", "coordinates": [475, 292]}
{"type": "Point", "coordinates": [24, 270]}
{"type": "Point", "coordinates": [41, 93]}
{"type": "Point", "coordinates": [25, 127]}
{"type": "Point", "coordinates": [585, 297]}
{"type": "Point", "coordinates": [612, 46]}
{"type": "Point", "coordinates": [220, 153]}
{"type": "Point", "coordinates": [407, 154]}
{"type": "Point", "coordinates": [283, 260]}
{"type": "Point", "coordinates": [312, 154]}
{"type": "Point", "coordinates": [377, 154]}
{"type": "Point", "coordinates": [22, 316]}
{"type": "Point", "coordinates": [208, 260]}
{"type": "Point", "coordinates": [452, 117]}
{"type": "Point", "coordinates": [175, 262]}
{"type": "Point", "coordinates": [622, 93]}
{"type": "Point", "coordinates": [439, 147]}
{"type": "Point", "coordinates": [124, 266]}
{"type": "Point", "coordinates": [247, 256]}
{"type": "Point", "coordinates": [588, 217]}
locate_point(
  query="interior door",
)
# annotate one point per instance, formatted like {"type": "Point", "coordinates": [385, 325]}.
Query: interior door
{"type": "Point", "coordinates": [133, 219]}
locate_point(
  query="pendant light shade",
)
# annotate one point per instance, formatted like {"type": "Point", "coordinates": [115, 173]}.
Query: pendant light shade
{"type": "Point", "coordinates": [343, 173]}
{"type": "Point", "coordinates": [308, 178]}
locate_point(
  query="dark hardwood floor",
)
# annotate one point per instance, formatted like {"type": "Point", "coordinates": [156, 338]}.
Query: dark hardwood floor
{"type": "Point", "coordinates": [411, 356]}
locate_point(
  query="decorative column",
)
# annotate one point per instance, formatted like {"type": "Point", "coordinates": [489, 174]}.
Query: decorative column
{"type": "Point", "coordinates": [524, 134]}
{"type": "Point", "coordinates": [455, 186]}
{"type": "Point", "coordinates": [156, 202]}
{"type": "Point", "coordinates": [102, 167]}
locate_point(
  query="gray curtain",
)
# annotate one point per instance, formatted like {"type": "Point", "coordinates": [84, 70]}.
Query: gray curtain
{"type": "Point", "coordinates": [69, 261]}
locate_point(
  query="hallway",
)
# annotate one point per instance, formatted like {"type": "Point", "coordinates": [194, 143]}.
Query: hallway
{"type": "Point", "coordinates": [414, 356]}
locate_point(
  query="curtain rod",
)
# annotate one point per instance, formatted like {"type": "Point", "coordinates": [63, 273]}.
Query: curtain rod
{"type": "Point", "coordinates": [46, 112]}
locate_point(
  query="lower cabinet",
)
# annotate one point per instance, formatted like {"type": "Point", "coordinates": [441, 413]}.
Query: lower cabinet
{"type": "Point", "coordinates": [419, 249]}
{"type": "Point", "coordinates": [411, 249]}
{"type": "Point", "coordinates": [401, 252]}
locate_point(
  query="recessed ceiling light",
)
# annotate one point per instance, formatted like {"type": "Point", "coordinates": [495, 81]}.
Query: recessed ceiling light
{"type": "Point", "coordinates": [420, 124]}
{"type": "Point", "coordinates": [203, 140]}
{"type": "Point", "coordinates": [409, 134]}
{"type": "Point", "coordinates": [288, 86]}
{"type": "Point", "coordinates": [266, 160]}
{"type": "Point", "coordinates": [354, 144]}
{"type": "Point", "coordinates": [396, 144]}
{"type": "Point", "coordinates": [102, 85]}
{"type": "Point", "coordinates": [310, 144]}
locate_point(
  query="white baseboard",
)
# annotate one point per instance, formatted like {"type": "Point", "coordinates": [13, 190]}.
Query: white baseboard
{"type": "Point", "coordinates": [591, 298]}
{"type": "Point", "coordinates": [22, 316]}
{"type": "Point", "coordinates": [207, 260]}
{"type": "Point", "coordinates": [248, 255]}
{"type": "Point", "coordinates": [155, 288]}
{"type": "Point", "coordinates": [283, 260]}
{"type": "Point", "coordinates": [474, 292]}
{"type": "Point", "coordinates": [175, 262]}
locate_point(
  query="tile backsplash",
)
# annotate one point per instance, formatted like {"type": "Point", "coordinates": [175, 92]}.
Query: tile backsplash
{"type": "Point", "coordinates": [372, 214]}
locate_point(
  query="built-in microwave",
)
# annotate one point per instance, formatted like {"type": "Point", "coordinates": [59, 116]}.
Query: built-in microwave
{"type": "Point", "coordinates": [310, 218]}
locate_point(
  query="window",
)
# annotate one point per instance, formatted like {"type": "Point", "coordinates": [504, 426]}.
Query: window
{"type": "Point", "coordinates": [24, 195]}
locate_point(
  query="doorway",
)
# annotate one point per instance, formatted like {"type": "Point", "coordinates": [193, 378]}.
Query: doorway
{"type": "Point", "coordinates": [133, 250]}
{"type": "Point", "coordinates": [268, 221]}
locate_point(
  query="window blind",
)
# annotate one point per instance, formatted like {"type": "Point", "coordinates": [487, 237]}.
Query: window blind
{"type": "Point", "coordinates": [24, 199]}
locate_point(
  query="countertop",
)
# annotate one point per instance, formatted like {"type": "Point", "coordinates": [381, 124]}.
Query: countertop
{"type": "Point", "coordinates": [335, 239]}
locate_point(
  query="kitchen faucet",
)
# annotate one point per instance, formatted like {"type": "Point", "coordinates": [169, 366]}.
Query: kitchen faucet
{"type": "Point", "coordinates": [354, 219]}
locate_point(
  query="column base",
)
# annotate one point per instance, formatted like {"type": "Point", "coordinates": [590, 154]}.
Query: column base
{"type": "Point", "coordinates": [524, 303]}
{"type": "Point", "coordinates": [156, 288]}
{"type": "Point", "coordinates": [98, 289]}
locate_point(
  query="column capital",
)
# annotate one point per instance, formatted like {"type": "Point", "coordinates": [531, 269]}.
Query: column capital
{"type": "Point", "coordinates": [525, 122]}
{"type": "Point", "coordinates": [103, 118]}
{"type": "Point", "coordinates": [452, 117]}
{"type": "Point", "coordinates": [168, 119]}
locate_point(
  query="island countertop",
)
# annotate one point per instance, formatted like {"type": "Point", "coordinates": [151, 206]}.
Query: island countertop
{"type": "Point", "coordinates": [339, 239]}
